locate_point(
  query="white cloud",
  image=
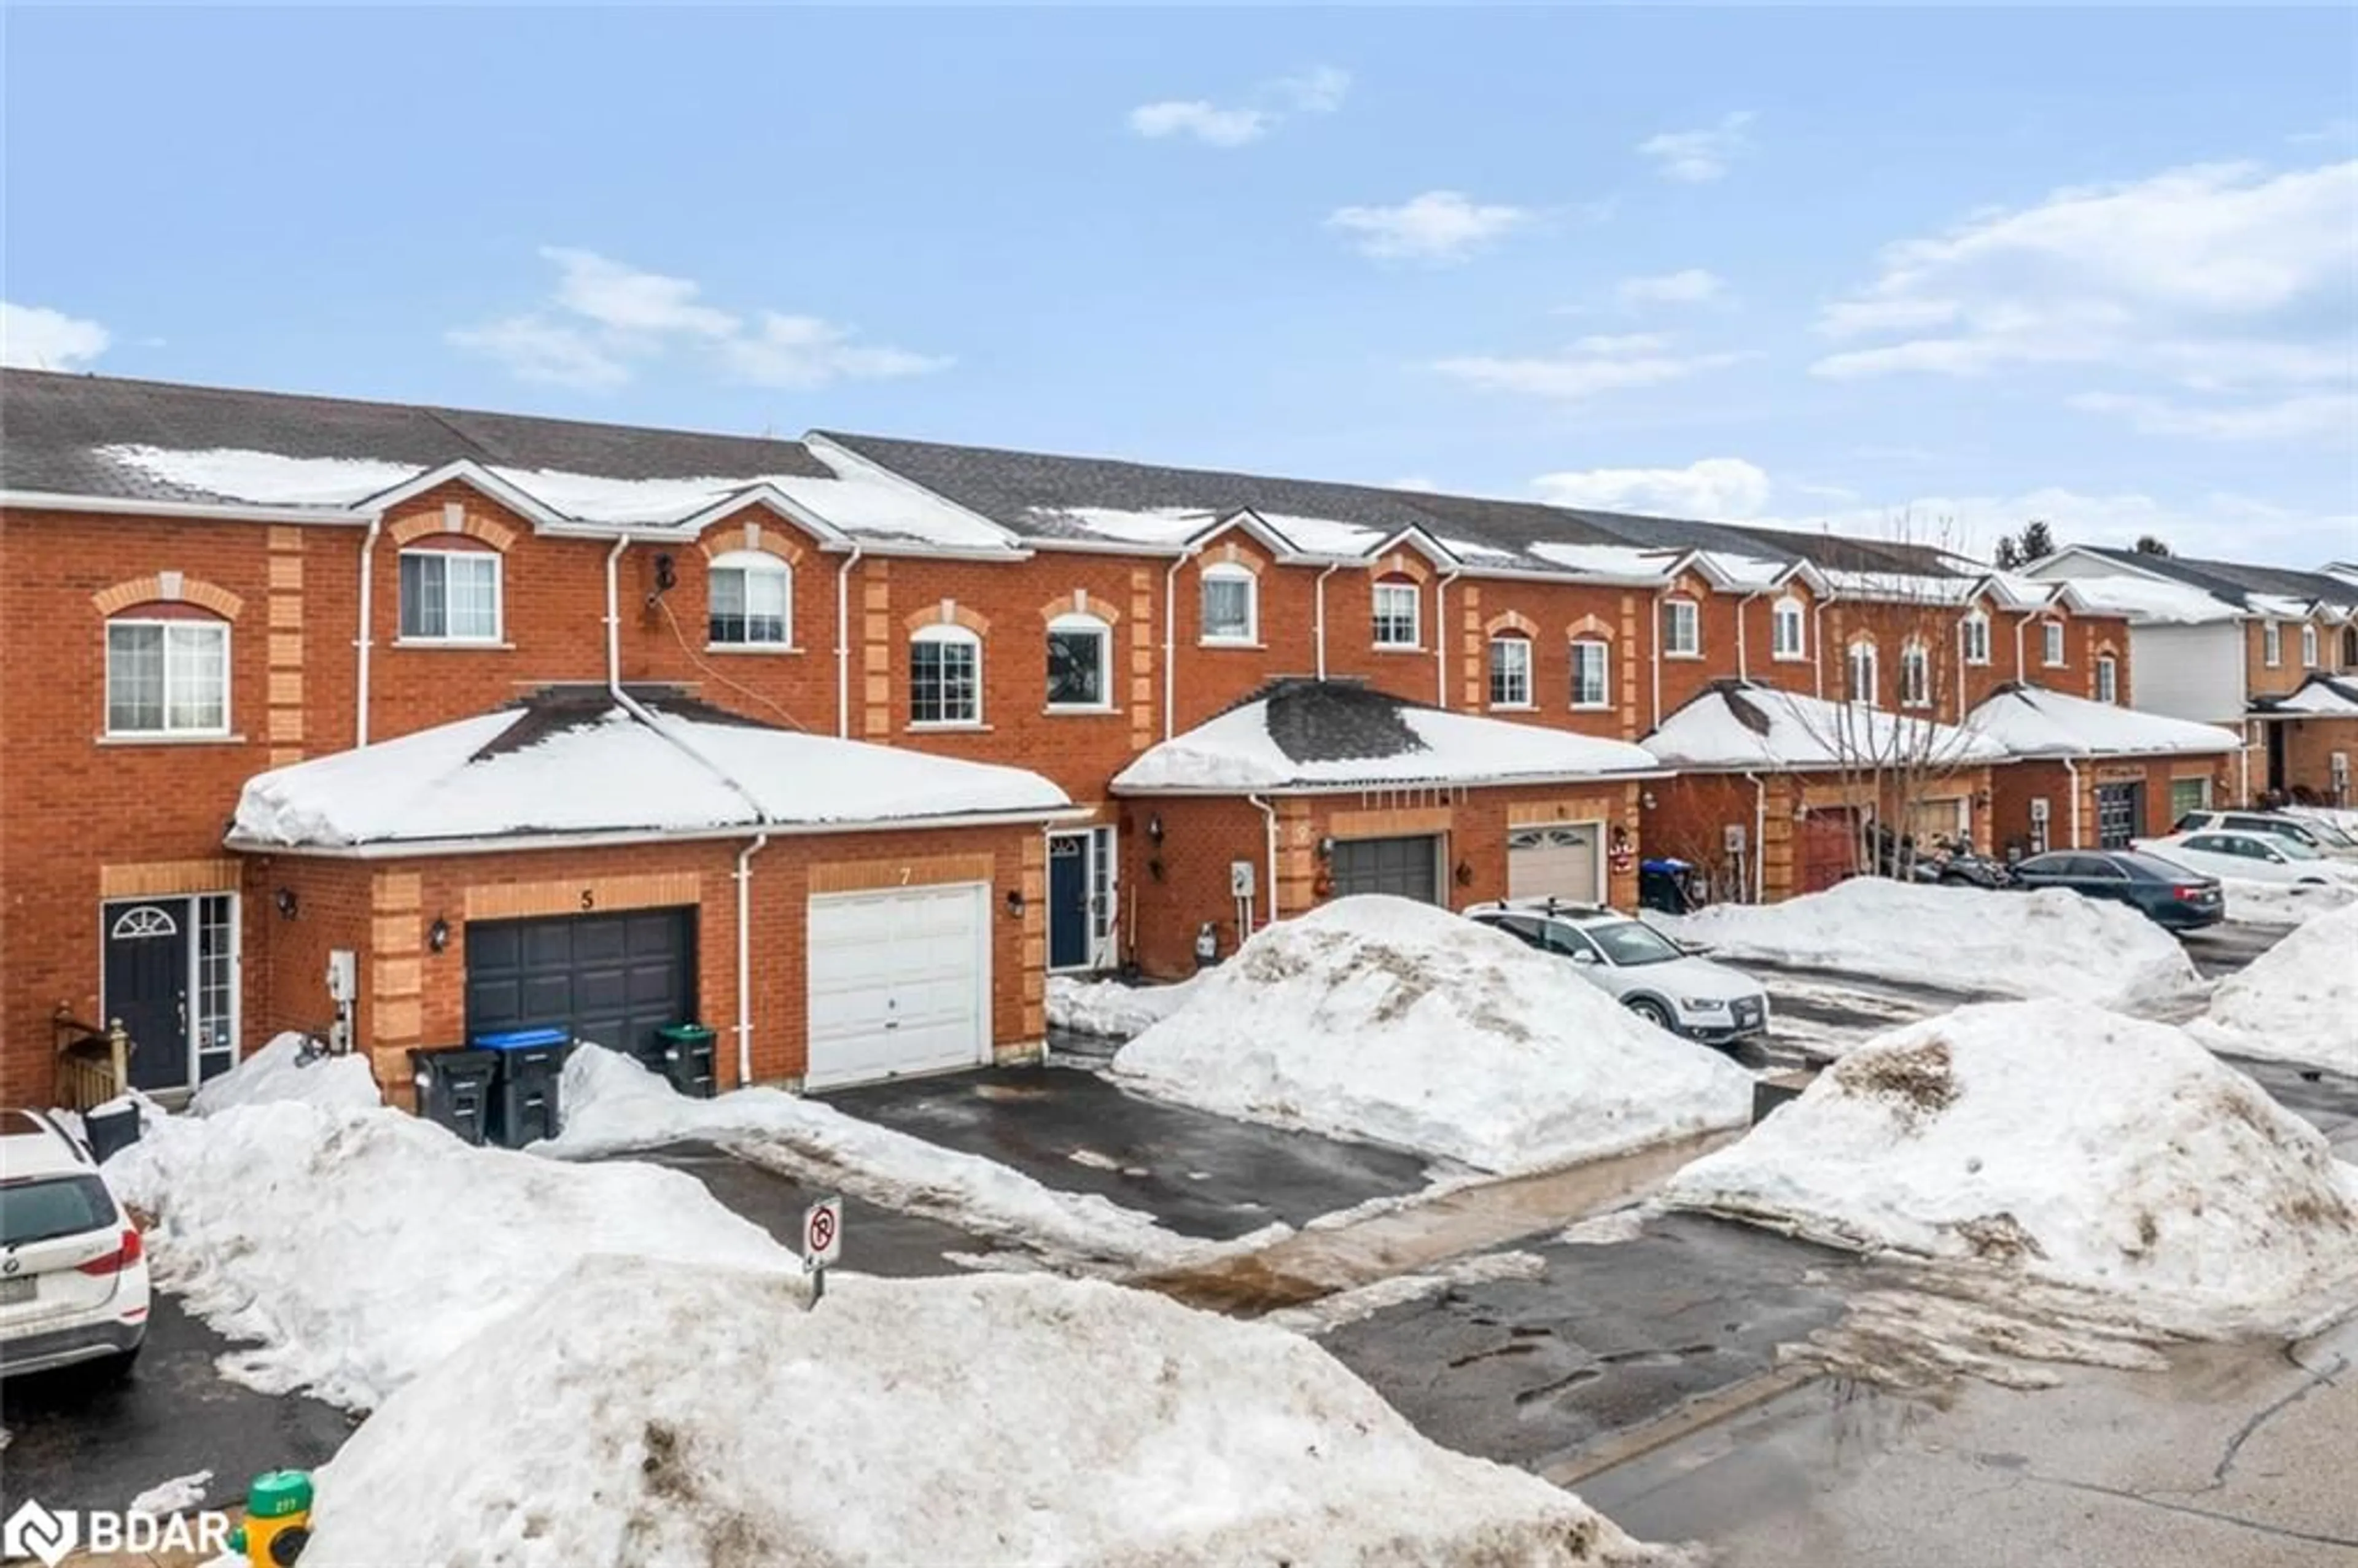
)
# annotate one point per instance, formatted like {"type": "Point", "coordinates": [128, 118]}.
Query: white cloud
{"type": "Point", "coordinates": [1591, 366]}
{"type": "Point", "coordinates": [1699, 156]}
{"type": "Point", "coordinates": [1319, 91]}
{"type": "Point", "coordinates": [1207, 123]}
{"type": "Point", "coordinates": [606, 318]}
{"type": "Point", "coordinates": [1728, 488]}
{"type": "Point", "coordinates": [1694, 286]}
{"type": "Point", "coordinates": [35, 338]}
{"type": "Point", "coordinates": [2217, 524]}
{"type": "Point", "coordinates": [1438, 226]}
{"type": "Point", "coordinates": [2328, 415]}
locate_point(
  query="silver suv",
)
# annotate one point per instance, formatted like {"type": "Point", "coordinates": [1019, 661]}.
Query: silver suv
{"type": "Point", "coordinates": [2315, 833]}
{"type": "Point", "coordinates": [1647, 972]}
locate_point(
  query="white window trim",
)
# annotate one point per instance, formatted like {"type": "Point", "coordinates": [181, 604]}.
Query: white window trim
{"type": "Point", "coordinates": [1915, 669]}
{"type": "Point", "coordinates": [1079, 620]}
{"type": "Point", "coordinates": [498, 639]}
{"type": "Point", "coordinates": [1416, 592]}
{"type": "Point", "coordinates": [1976, 648]}
{"type": "Point", "coordinates": [166, 732]}
{"type": "Point", "coordinates": [2271, 644]}
{"type": "Point", "coordinates": [2054, 648]}
{"type": "Point", "coordinates": [1530, 672]}
{"type": "Point", "coordinates": [750, 562]}
{"type": "Point", "coordinates": [2308, 645]}
{"type": "Point", "coordinates": [1852, 656]}
{"type": "Point", "coordinates": [1229, 571]}
{"type": "Point", "coordinates": [1790, 608]}
{"type": "Point", "coordinates": [1571, 676]}
{"type": "Point", "coordinates": [947, 632]}
{"type": "Point", "coordinates": [2108, 679]}
{"type": "Point", "coordinates": [1693, 618]}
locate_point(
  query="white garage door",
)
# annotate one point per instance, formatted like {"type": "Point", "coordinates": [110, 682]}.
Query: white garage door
{"type": "Point", "coordinates": [900, 982]}
{"type": "Point", "coordinates": [1553, 862]}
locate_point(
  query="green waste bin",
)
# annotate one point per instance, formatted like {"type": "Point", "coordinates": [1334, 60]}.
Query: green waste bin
{"type": "Point", "coordinates": [684, 1056]}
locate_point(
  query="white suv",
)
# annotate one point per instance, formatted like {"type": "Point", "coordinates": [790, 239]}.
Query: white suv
{"type": "Point", "coordinates": [73, 1272]}
{"type": "Point", "coordinates": [2310, 833]}
{"type": "Point", "coordinates": [1647, 972]}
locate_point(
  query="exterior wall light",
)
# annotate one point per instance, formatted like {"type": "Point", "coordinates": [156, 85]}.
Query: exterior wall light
{"type": "Point", "coordinates": [438, 935]}
{"type": "Point", "coordinates": [287, 903]}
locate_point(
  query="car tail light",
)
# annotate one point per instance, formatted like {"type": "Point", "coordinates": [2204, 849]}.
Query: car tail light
{"type": "Point", "coordinates": [2186, 895]}
{"type": "Point", "coordinates": [127, 1252]}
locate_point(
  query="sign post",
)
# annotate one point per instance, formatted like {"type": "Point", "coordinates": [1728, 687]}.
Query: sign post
{"type": "Point", "coordinates": [822, 1241]}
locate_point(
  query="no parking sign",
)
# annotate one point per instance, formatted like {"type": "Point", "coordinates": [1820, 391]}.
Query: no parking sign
{"type": "Point", "coordinates": [822, 1241]}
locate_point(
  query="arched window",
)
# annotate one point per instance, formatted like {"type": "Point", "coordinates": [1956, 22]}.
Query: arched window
{"type": "Point", "coordinates": [945, 675]}
{"type": "Point", "coordinates": [2349, 647]}
{"type": "Point", "coordinates": [1511, 671]}
{"type": "Point", "coordinates": [1398, 608]}
{"type": "Point", "coordinates": [2271, 644]}
{"type": "Point", "coordinates": [752, 601]}
{"type": "Point", "coordinates": [1863, 672]}
{"type": "Point", "coordinates": [2308, 645]}
{"type": "Point", "coordinates": [1592, 685]}
{"type": "Point", "coordinates": [1231, 604]}
{"type": "Point", "coordinates": [1789, 629]}
{"type": "Point", "coordinates": [1915, 675]}
{"type": "Point", "coordinates": [1974, 635]}
{"type": "Point", "coordinates": [167, 676]}
{"type": "Point", "coordinates": [2051, 642]}
{"type": "Point", "coordinates": [2108, 679]}
{"type": "Point", "coordinates": [450, 593]}
{"type": "Point", "coordinates": [1080, 663]}
{"type": "Point", "coordinates": [1681, 629]}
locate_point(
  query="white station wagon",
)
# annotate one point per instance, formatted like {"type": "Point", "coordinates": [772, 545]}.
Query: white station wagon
{"type": "Point", "coordinates": [73, 1271]}
{"type": "Point", "coordinates": [1647, 972]}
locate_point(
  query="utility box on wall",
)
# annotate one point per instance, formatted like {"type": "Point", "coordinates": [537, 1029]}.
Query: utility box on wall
{"type": "Point", "coordinates": [1241, 878]}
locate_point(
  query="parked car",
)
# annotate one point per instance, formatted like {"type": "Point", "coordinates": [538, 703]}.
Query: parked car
{"type": "Point", "coordinates": [1650, 975]}
{"type": "Point", "coordinates": [2163, 890]}
{"type": "Point", "coordinates": [2256, 856]}
{"type": "Point", "coordinates": [2319, 834]}
{"type": "Point", "coordinates": [73, 1271]}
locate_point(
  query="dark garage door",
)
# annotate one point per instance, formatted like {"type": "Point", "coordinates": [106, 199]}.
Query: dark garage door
{"type": "Point", "coordinates": [1406, 868]}
{"type": "Point", "coordinates": [2120, 813]}
{"type": "Point", "coordinates": [611, 978]}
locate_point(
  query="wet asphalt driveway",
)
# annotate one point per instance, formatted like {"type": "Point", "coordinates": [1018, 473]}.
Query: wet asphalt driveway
{"type": "Point", "coordinates": [875, 1240]}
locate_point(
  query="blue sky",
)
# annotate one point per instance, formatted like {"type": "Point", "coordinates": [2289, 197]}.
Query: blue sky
{"type": "Point", "coordinates": [2097, 265]}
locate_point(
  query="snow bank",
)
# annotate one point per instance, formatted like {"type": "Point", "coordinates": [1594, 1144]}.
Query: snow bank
{"type": "Point", "coordinates": [2077, 1145]}
{"type": "Point", "coordinates": [1109, 1007]}
{"type": "Point", "coordinates": [357, 1248]}
{"type": "Point", "coordinates": [2050, 942]}
{"type": "Point", "coordinates": [2296, 1002]}
{"type": "Point", "coordinates": [698, 1416]}
{"type": "Point", "coordinates": [1378, 1017]}
{"type": "Point", "coordinates": [612, 1104]}
{"type": "Point", "coordinates": [2283, 904]}
{"type": "Point", "coordinates": [277, 1072]}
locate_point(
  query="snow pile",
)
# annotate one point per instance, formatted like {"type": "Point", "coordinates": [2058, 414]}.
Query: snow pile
{"type": "Point", "coordinates": [176, 1495]}
{"type": "Point", "coordinates": [358, 1248]}
{"type": "Point", "coordinates": [1378, 1018]}
{"type": "Point", "coordinates": [2283, 904]}
{"type": "Point", "coordinates": [2081, 1147]}
{"type": "Point", "coordinates": [2050, 942]}
{"type": "Point", "coordinates": [699, 1416]}
{"type": "Point", "coordinates": [2296, 1002]}
{"type": "Point", "coordinates": [612, 1104]}
{"type": "Point", "coordinates": [1110, 1008]}
{"type": "Point", "coordinates": [277, 1072]}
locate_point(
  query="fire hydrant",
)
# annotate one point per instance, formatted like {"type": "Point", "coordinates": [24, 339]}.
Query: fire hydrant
{"type": "Point", "coordinates": [278, 1518]}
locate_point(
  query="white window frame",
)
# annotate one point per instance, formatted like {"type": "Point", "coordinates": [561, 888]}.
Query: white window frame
{"type": "Point", "coordinates": [1678, 613]}
{"type": "Point", "coordinates": [166, 730]}
{"type": "Point", "coordinates": [1228, 571]}
{"type": "Point", "coordinates": [1915, 675]}
{"type": "Point", "coordinates": [1787, 613]}
{"type": "Point", "coordinates": [499, 600]}
{"type": "Point", "coordinates": [947, 632]}
{"type": "Point", "coordinates": [1604, 675]}
{"type": "Point", "coordinates": [2052, 649]}
{"type": "Point", "coordinates": [1080, 621]}
{"type": "Point", "coordinates": [750, 564]}
{"type": "Point", "coordinates": [2271, 644]}
{"type": "Point", "coordinates": [1866, 655]}
{"type": "Point", "coordinates": [2108, 679]}
{"type": "Point", "coordinates": [1412, 593]}
{"type": "Point", "coordinates": [1518, 640]}
{"type": "Point", "coordinates": [2308, 645]}
{"type": "Point", "coordinates": [1974, 631]}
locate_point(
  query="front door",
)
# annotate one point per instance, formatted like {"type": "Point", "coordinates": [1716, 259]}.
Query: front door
{"type": "Point", "coordinates": [1068, 900]}
{"type": "Point", "coordinates": [146, 987]}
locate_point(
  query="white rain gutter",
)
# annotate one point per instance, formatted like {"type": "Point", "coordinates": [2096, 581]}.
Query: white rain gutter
{"type": "Point", "coordinates": [600, 839]}
{"type": "Point", "coordinates": [1759, 832]}
{"type": "Point", "coordinates": [361, 687]}
{"type": "Point", "coordinates": [1818, 646]}
{"type": "Point", "coordinates": [1440, 636]}
{"type": "Point", "coordinates": [744, 879]}
{"type": "Point", "coordinates": [843, 642]}
{"type": "Point", "coordinates": [2072, 772]}
{"type": "Point", "coordinates": [1318, 617]}
{"type": "Point", "coordinates": [224, 511]}
{"type": "Point", "coordinates": [1171, 633]}
{"type": "Point", "coordinates": [1269, 822]}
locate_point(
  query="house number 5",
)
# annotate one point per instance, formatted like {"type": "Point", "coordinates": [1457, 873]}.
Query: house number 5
{"type": "Point", "coordinates": [589, 899]}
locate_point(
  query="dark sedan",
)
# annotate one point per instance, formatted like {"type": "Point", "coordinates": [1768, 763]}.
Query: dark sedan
{"type": "Point", "coordinates": [2167, 893]}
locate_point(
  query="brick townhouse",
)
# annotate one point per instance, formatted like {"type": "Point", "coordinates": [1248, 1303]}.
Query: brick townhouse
{"type": "Point", "coordinates": [294, 676]}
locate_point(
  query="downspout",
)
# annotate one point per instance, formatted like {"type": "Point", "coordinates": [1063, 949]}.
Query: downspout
{"type": "Point", "coordinates": [1818, 646]}
{"type": "Point", "coordinates": [1318, 615]}
{"type": "Point", "coordinates": [1269, 822]}
{"type": "Point", "coordinates": [2020, 623]}
{"type": "Point", "coordinates": [1759, 832]}
{"type": "Point", "coordinates": [1441, 635]}
{"type": "Point", "coordinates": [2072, 772]}
{"type": "Point", "coordinates": [1171, 633]}
{"type": "Point", "coordinates": [360, 692]}
{"type": "Point", "coordinates": [843, 642]}
{"type": "Point", "coordinates": [745, 958]}
{"type": "Point", "coordinates": [1654, 642]}
{"type": "Point", "coordinates": [1743, 661]}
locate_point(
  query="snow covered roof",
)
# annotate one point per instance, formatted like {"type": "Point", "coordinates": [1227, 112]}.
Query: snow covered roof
{"type": "Point", "coordinates": [2152, 602]}
{"type": "Point", "coordinates": [571, 763]}
{"type": "Point", "coordinates": [1320, 735]}
{"type": "Point", "coordinates": [2319, 697]}
{"type": "Point", "coordinates": [2264, 590]}
{"type": "Point", "coordinates": [1735, 727]}
{"type": "Point", "coordinates": [2033, 722]}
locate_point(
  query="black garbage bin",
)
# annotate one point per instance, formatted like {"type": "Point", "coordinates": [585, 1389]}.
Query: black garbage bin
{"type": "Point", "coordinates": [454, 1088]}
{"type": "Point", "coordinates": [686, 1058]}
{"type": "Point", "coordinates": [523, 1095]}
{"type": "Point", "coordinates": [110, 1129]}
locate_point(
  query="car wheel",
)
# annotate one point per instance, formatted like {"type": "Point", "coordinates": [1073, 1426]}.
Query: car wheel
{"type": "Point", "coordinates": [1649, 1009]}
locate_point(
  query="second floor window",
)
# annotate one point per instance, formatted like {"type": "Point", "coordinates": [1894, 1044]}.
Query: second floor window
{"type": "Point", "coordinates": [945, 677]}
{"type": "Point", "coordinates": [1915, 677]}
{"type": "Point", "coordinates": [1863, 673]}
{"type": "Point", "coordinates": [167, 677]}
{"type": "Point", "coordinates": [1080, 652]}
{"type": "Point", "coordinates": [2308, 647]}
{"type": "Point", "coordinates": [2108, 679]}
{"type": "Point", "coordinates": [1232, 612]}
{"type": "Point", "coordinates": [1786, 635]}
{"type": "Point", "coordinates": [1510, 672]}
{"type": "Point", "coordinates": [1589, 685]}
{"type": "Point", "coordinates": [2271, 644]}
{"type": "Point", "coordinates": [2053, 631]}
{"type": "Point", "coordinates": [450, 596]}
{"type": "Point", "coordinates": [1682, 627]}
{"type": "Point", "coordinates": [1396, 614]}
{"type": "Point", "coordinates": [752, 600]}
{"type": "Point", "coordinates": [1975, 633]}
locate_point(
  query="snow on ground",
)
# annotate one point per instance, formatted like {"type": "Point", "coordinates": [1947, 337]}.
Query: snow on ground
{"type": "Point", "coordinates": [2283, 904]}
{"type": "Point", "coordinates": [2296, 1002]}
{"type": "Point", "coordinates": [700, 1416]}
{"type": "Point", "coordinates": [352, 1248]}
{"type": "Point", "coordinates": [612, 1104]}
{"type": "Point", "coordinates": [2050, 942]}
{"type": "Point", "coordinates": [1382, 1018]}
{"type": "Point", "coordinates": [175, 1495]}
{"type": "Point", "coordinates": [277, 1072]}
{"type": "Point", "coordinates": [2076, 1145]}
{"type": "Point", "coordinates": [1110, 1008]}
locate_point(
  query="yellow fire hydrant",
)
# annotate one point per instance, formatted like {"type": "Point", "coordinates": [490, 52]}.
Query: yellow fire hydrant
{"type": "Point", "coordinates": [278, 1518]}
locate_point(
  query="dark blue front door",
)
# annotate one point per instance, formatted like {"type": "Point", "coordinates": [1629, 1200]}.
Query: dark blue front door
{"type": "Point", "coordinates": [148, 987]}
{"type": "Point", "coordinates": [1068, 902]}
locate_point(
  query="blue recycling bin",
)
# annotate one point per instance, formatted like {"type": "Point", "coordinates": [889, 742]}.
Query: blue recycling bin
{"type": "Point", "coordinates": [524, 1093]}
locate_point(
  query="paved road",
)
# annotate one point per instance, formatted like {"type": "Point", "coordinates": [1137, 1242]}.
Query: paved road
{"type": "Point", "coordinates": [875, 1240]}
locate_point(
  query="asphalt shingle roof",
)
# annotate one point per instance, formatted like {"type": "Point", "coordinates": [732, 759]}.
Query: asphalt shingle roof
{"type": "Point", "coordinates": [1328, 721]}
{"type": "Point", "coordinates": [2234, 581]}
